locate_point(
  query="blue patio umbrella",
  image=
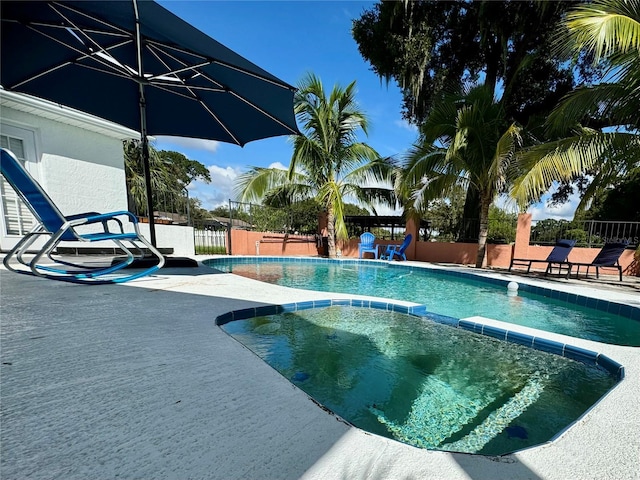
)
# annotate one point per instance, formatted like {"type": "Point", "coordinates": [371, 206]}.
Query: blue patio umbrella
{"type": "Point", "coordinates": [137, 64]}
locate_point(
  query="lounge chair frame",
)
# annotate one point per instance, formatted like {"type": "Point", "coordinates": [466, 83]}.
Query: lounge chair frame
{"type": "Point", "coordinates": [51, 222]}
{"type": "Point", "coordinates": [607, 257]}
{"type": "Point", "coordinates": [557, 257]}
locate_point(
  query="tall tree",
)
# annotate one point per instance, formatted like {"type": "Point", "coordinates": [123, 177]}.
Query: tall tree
{"type": "Point", "coordinates": [608, 30]}
{"type": "Point", "coordinates": [621, 202]}
{"type": "Point", "coordinates": [465, 140]}
{"type": "Point", "coordinates": [171, 172]}
{"type": "Point", "coordinates": [182, 169]}
{"type": "Point", "coordinates": [134, 173]}
{"type": "Point", "coordinates": [429, 46]}
{"type": "Point", "coordinates": [329, 163]}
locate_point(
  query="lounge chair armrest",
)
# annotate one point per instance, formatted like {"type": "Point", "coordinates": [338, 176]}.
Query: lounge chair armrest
{"type": "Point", "coordinates": [110, 216]}
{"type": "Point", "coordinates": [100, 218]}
{"type": "Point", "coordinates": [81, 215]}
{"type": "Point", "coordinates": [105, 225]}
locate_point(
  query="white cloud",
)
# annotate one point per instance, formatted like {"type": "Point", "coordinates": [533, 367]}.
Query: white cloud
{"type": "Point", "coordinates": [506, 203]}
{"type": "Point", "coordinates": [190, 143]}
{"type": "Point", "coordinates": [220, 190]}
{"type": "Point", "coordinates": [386, 210]}
{"type": "Point", "coordinates": [224, 172]}
{"type": "Point", "coordinates": [541, 210]}
{"type": "Point", "coordinates": [278, 165]}
{"type": "Point", "coordinates": [565, 211]}
{"type": "Point", "coordinates": [406, 125]}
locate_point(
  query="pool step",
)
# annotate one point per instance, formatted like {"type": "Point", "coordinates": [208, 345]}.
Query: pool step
{"type": "Point", "coordinates": [424, 427]}
{"type": "Point", "coordinates": [498, 420]}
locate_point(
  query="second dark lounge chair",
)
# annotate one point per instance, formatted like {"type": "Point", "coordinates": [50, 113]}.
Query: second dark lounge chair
{"type": "Point", "coordinates": [608, 257]}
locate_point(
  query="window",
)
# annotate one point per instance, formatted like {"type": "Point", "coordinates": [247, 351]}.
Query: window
{"type": "Point", "coordinates": [18, 220]}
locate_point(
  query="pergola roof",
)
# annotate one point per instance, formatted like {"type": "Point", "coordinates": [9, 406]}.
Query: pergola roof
{"type": "Point", "coordinates": [390, 221]}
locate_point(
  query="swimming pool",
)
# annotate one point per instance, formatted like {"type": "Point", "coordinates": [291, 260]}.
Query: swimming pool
{"type": "Point", "coordinates": [420, 382]}
{"type": "Point", "coordinates": [448, 293]}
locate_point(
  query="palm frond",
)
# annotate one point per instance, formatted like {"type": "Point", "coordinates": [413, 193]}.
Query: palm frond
{"type": "Point", "coordinates": [605, 27]}
{"type": "Point", "coordinates": [436, 186]}
{"type": "Point", "coordinates": [254, 185]}
{"type": "Point", "coordinates": [326, 157]}
{"type": "Point", "coordinates": [568, 157]}
{"type": "Point", "coordinates": [612, 103]}
{"type": "Point", "coordinates": [503, 159]}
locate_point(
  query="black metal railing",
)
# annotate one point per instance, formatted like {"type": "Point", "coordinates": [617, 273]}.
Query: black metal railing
{"type": "Point", "coordinates": [250, 216]}
{"type": "Point", "coordinates": [466, 230]}
{"type": "Point", "coordinates": [587, 233]}
{"type": "Point", "coordinates": [169, 208]}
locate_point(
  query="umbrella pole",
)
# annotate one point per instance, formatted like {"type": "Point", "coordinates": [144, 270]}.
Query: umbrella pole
{"type": "Point", "coordinates": [143, 128]}
{"type": "Point", "coordinates": [147, 181]}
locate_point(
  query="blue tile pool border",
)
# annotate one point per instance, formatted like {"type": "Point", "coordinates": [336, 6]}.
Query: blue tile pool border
{"type": "Point", "coordinates": [573, 352]}
{"type": "Point", "coordinates": [621, 309]}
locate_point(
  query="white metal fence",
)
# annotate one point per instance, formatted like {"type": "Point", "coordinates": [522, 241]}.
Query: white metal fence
{"type": "Point", "coordinates": [210, 241]}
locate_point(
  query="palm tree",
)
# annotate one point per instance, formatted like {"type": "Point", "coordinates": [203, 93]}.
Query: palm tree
{"type": "Point", "coordinates": [465, 141]}
{"type": "Point", "coordinates": [134, 172]}
{"type": "Point", "coordinates": [328, 162]}
{"type": "Point", "coordinates": [609, 31]}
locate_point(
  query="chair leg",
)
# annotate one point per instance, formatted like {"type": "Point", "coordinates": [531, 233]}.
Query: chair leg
{"type": "Point", "coordinates": [619, 267]}
{"type": "Point", "coordinates": [20, 249]}
{"type": "Point", "coordinates": [91, 276]}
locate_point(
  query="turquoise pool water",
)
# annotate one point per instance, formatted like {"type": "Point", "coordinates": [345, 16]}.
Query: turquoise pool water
{"type": "Point", "coordinates": [458, 297]}
{"type": "Point", "coordinates": [423, 383]}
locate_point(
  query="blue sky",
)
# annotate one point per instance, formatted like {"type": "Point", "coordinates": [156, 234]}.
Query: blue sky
{"type": "Point", "coordinates": [290, 39]}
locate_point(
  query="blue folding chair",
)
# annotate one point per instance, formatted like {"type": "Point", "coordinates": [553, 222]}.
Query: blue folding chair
{"type": "Point", "coordinates": [59, 228]}
{"type": "Point", "coordinates": [366, 244]}
{"type": "Point", "coordinates": [393, 251]}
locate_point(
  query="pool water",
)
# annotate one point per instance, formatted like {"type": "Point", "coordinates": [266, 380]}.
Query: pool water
{"type": "Point", "coordinates": [446, 295]}
{"type": "Point", "coordinates": [422, 383]}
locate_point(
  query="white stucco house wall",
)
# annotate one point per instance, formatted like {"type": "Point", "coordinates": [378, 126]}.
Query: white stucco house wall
{"type": "Point", "coordinates": [77, 158]}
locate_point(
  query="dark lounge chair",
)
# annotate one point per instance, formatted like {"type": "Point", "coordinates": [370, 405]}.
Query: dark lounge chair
{"type": "Point", "coordinates": [608, 257]}
{"type": "Point", "coordinates": [558, 257]}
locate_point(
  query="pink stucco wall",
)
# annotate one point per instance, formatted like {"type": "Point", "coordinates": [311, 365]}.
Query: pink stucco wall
{"type": "Point", "coordinates": [244, 243]}
{"type": "Point", "coordinates": [462, 253]}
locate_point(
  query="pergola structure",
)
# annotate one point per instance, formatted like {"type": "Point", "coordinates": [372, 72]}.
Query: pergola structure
{"type": "Point", "coordinates": [396, 223]}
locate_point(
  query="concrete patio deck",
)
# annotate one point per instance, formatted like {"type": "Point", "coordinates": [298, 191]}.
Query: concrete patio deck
{"type": "Point", "coordinates": [135, 381]}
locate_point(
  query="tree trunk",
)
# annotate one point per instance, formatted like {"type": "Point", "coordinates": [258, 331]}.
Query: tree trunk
{"type": "Point", "coordinates": [470, 228]}
{"type": "Point", "coordinates": [331, 231]}
{"type": "Point", "coordinates": [485, 202]}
